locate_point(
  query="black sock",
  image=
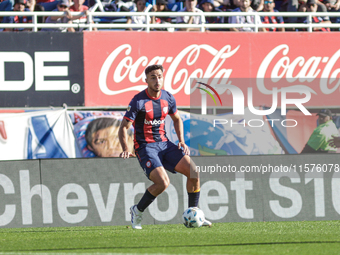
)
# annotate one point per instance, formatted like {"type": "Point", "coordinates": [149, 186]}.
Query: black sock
{"type": "Point", "coordinates": [193, 199]}
{"type": "Point", "coordinates": [146, 200]}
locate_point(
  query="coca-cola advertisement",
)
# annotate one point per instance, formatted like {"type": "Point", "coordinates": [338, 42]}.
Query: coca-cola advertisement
{"type": "Point", "coordinates": [269, 81]}
{"type": "Point", "coordinates": [265, 62]}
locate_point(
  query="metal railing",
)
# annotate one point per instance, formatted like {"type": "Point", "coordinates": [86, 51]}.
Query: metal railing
{"type": "Point", "coordinates": [90, 25]}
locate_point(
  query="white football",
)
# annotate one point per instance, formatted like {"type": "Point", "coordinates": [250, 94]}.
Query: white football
{"type": "Point", "coordinates": [193, 217]}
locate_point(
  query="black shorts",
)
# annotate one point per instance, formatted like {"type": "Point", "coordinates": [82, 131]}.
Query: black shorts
{"type": "Point", "coordinates": [157, 154]}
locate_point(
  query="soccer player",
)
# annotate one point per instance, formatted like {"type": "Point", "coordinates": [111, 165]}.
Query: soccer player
{"type": "Point", "coordinates": [147, 111]}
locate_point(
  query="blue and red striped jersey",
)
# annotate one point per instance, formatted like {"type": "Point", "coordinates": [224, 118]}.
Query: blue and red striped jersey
{"type": "Point", "coordinates": [148, 116]}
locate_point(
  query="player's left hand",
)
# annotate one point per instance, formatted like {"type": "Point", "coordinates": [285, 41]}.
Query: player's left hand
{"type": "Point", "coordinates": [182, 145]}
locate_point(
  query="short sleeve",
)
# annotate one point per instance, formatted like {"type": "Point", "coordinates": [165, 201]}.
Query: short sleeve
{"type": "Point", "coordinates": [172, 105]}
{"type": "Point", "coordinates": [132, 111]}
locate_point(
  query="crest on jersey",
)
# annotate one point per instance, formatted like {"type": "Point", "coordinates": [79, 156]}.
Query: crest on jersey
{"type": "Point", "coordinates": [129, 107]}
{"type": "Point", "coordinates": [165, 109]}
{"type": "Point", "coordinates": [148, 164]}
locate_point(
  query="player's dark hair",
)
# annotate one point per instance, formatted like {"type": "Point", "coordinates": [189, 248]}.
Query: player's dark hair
{"type": "Point", "coordinates": [99, 124]}
{"type": "Point", "coordinates": [153, 67]}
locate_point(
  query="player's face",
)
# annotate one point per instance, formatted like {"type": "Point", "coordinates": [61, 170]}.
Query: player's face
{"type": "Point", "coordinates": [154, 79]}
{"type": "Point", "coordinates": [105, 142]}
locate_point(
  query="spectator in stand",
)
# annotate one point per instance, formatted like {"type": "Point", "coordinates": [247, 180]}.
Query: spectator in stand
{"type": "Point", "coordinates": [245, 7]}
{"type": "Point", "coordinates": [313, 7]}
{"type": "Point", "coordinates": [161, 6]}
{"type": "Point", "coordinates": [333, 6]}
{"type": "Point", "coordinates": [269, 6]}
{"type": "Point", "coordinates": [190, 6]}
{"type": "Point", "coordinates": [48, 5]}
{"type": "Point", "coordinates": [19, 6]}
{"type": "Point", "coordinates": [216, 3]}
{"type": "Point", "coordinates": [30, 5]}
{"type": "Point", "coordinates": [257, 5]}
{"type": "Point", "coordinates": [302, 8]}
{"type": "Point", "coordinates": [294, 5]}
{"type": "Point", "coordinates": [66, 18]}
{"type": "Point", "coordinates": [229, 5]}
{"type": "Point", "coordinates": [78, 6]}
{"type": "Point", "coordinates": [6, 5]}
{"type": "Point", "coordinates": [290, 6]}
{"type": "Point", "coordinates": [321, 6]}
{"type": "Point", "coordinates": [140, 7]}
{"type": "Point", "coordinates": [39, 8]}
{"type": "Point", "coordinates": [208, 6]}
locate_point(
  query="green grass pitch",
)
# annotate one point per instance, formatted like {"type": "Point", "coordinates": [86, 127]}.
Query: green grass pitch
{"type": "Point", "coordinates": [316, 237]}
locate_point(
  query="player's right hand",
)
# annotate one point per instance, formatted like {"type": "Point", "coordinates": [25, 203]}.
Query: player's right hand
{"type": "Point", "coordinates": [126, 154]}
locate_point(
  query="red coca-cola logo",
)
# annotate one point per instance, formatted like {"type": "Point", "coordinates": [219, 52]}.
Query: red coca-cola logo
{"type": "Point", "coordinates": [299, 72]}
{"type": "Point", "coordinates": [180, 68]}
{"type": "Point", "coordinates": [116, 72]}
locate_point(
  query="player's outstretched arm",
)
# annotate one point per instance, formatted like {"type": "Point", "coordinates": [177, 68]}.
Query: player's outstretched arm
{"type": "Point", "coordinates": [122, 134]}
{"type": "Point", "coordinates": [178, 124]}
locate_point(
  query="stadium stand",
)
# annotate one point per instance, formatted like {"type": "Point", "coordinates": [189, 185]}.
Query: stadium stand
{"type": "Point", "coordinates": [113, 15]}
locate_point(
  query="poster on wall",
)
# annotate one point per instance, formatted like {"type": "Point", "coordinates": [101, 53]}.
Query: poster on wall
{"type": "Point", "coordinates": [37, 135]}
{"type": "Point", "coordinates": [87, 134]}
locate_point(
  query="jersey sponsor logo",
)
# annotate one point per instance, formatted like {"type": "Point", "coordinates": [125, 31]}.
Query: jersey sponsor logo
{"type": "Point", "coordinates": [165, 109]}
{"type": "Point", "coordinates": [153, 122]}
{"type": "Point", "coordinates": [129, 108]}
